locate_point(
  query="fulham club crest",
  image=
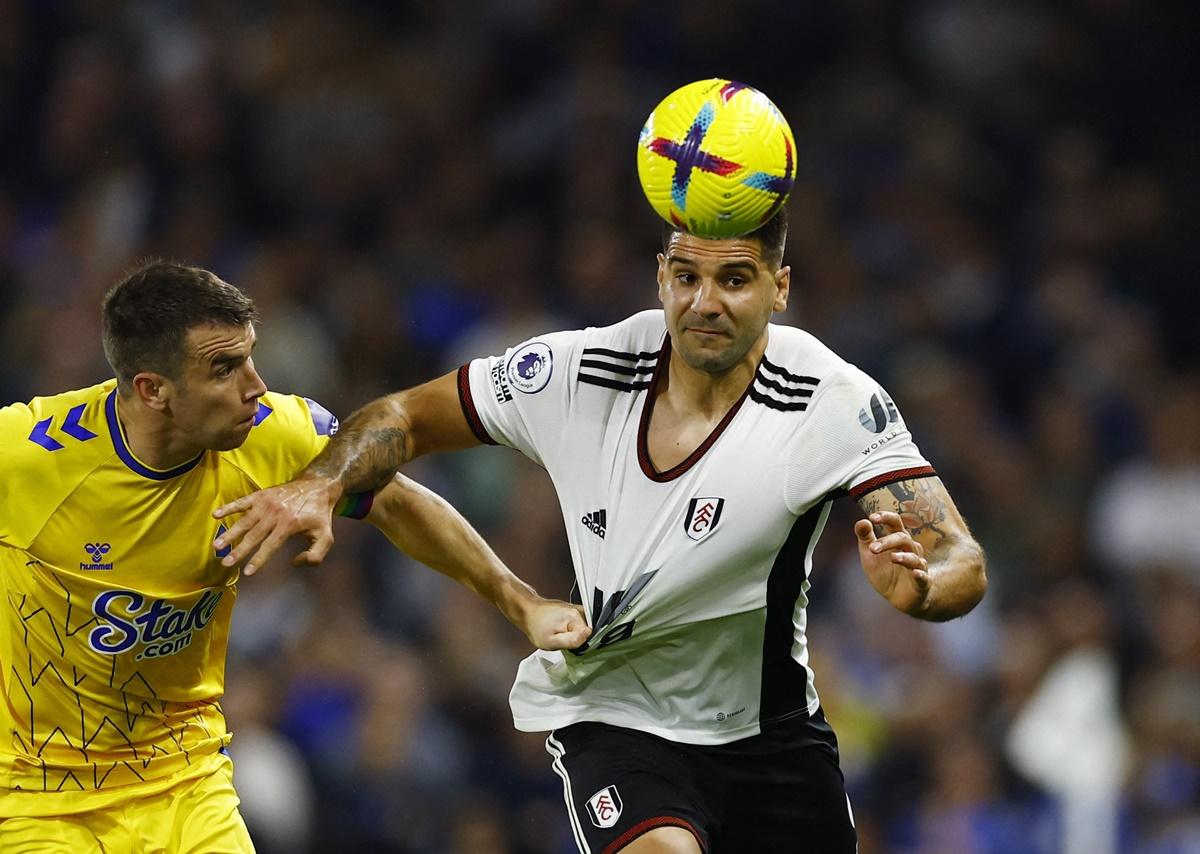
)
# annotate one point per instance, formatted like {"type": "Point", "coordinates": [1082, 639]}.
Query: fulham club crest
{"type": "Point", "coordinates": [604, 807]}
{"type": "Point", "coordinates": [703, 514]}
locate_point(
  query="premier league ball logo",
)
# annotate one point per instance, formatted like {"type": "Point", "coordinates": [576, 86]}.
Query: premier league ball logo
{"type": "Point", "coordinates": [529, 367]}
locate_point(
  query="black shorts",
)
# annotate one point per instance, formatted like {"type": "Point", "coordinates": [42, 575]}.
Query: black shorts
{"type": "Point", "coordinates": [780, 791]}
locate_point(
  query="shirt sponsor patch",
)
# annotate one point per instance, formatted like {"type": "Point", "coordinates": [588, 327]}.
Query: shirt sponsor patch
{"type": "Point", "coordinates": [127, 618]}
{"type": "Point", "coordinates": [500, 384]}
{"type": "Point", "coordinates": [604, 807]}
{"type": "Point", "coordinates": [879, 413]}
{"type": "Point", "coordinates": [529, 368]}
{"type": "Point", "coordinates": [880, 442]}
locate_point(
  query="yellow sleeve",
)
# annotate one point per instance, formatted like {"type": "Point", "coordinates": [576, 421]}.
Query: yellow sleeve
{"type": "Point", "coordinates": [16, 422]}
{"type": "Point", "coordinates": [289, 433]}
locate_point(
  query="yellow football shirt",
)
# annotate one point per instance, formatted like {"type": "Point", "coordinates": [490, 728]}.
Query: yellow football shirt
{"type": "Point", "coordinates": [116, 611]}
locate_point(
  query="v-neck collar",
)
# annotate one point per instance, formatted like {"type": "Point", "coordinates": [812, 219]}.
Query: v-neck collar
{"type": "Point", "coordinates": [643, 446]}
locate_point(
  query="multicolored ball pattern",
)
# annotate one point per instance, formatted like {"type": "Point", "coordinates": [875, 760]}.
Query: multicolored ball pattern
{"type": "Point", "coordinates": [716, 158]}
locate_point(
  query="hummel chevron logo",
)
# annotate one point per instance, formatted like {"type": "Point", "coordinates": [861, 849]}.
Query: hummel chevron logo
{"type": "Point", "coordinates": [71, 427]}
{"type": "Point", "coordinates": [595, 522]}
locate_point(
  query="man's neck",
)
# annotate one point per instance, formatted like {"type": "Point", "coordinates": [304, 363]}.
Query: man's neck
{"type": "Point", "coordinates": [151, 436]}
{"type": "Point", "coordinates": [706, 394]}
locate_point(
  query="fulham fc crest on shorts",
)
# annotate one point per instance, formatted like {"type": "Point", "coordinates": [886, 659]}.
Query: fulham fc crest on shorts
{"type": "Point", "coordinates": [604, 807]}
{"type": "Point", "coordinates": [702, 516]}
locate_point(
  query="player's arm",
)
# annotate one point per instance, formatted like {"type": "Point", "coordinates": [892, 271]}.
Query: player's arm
{"type": "Point", "coordinates": [426, 527]}
{"type": "Point", "coordinates": [364, 455]}
{"type": "Point", "coordinates": [917, 552]}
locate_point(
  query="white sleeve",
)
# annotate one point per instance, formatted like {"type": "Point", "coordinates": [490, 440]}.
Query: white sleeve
{"type": "Point", "coordinates": [522, 398]}
{"type": "Point", "coordinates": [858, 441]}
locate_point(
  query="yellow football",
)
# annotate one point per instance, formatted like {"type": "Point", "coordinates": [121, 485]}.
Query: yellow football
{"type": "Point", "coordinates": [716, 158]}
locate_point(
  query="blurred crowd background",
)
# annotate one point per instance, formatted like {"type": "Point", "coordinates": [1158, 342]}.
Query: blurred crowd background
{"type": "Point", "coordinates": [993, 218]}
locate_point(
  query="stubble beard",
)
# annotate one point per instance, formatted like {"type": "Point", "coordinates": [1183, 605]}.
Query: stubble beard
{"type": "Point", "coordinates": [712, 361]}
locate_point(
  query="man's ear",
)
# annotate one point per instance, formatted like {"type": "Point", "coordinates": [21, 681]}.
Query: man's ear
{"type": "Point", "coordinates": [153, 390]}
{"type": "Point", "coordinates": [783, 286]}
{"type": "Point", "coordinates": [662, 277]}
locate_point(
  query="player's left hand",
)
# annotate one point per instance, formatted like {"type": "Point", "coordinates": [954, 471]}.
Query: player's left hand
{"type": "Point", "coordinates": [894, 562]}
{"type": "Point", "coordinates": [553, 624]}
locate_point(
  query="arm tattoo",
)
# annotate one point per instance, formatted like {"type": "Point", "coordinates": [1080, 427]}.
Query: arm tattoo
{"type": "Point", "coordinates": [362, 457]}
{"type": "Point", "coordinates": [927, 512]}
{"type": "Point", "coordinates": [920, 506]}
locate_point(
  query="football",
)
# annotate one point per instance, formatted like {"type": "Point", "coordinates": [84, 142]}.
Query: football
{"type": "Point", "coordinates": [716, 158]}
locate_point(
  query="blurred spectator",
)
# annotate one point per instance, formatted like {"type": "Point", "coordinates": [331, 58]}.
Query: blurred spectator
{"type": "Point", "coordinates": [1141, 514]}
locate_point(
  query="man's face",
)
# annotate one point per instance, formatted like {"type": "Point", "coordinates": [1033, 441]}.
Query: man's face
{"type": "Point", "coordinates": [718, 296]}
{"type": "Point", "coordinates": [216, 397]}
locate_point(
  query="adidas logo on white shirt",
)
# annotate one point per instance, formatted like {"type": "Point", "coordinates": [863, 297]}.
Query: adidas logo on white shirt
{"type": "Point", "coordinates": [595, 521]}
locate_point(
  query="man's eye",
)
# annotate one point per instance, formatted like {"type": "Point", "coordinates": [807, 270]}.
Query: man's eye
{"type": "Point", "coordinates": [686, 278]}
{"type": "Point", "coordinates": [736, 281]}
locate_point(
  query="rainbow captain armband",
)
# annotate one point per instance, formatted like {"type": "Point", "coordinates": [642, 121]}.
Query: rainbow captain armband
{"type": "Point", "coordinates": [356, 505]}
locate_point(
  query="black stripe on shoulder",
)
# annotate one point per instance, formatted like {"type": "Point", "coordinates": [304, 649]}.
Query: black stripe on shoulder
{"type": "Point", "coordinates": [782, 389]}
{"type": "Point", "coordinates": [616, 369]}
{"type": "Point", "coordinates": [759, 397]}
{"type": "Point", "coordinates": [615, 354]}
{"type": "Point", "coordinates": [614, 384]}
{"type": "Point", "coordinates": [788, 375]}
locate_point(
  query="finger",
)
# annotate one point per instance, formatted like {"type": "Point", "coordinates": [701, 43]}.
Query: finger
{"type": "Point", "coordinates": [888, 519]}
{"type": "Point", "coordinates": [864, 531]}
{"type": "Point", "coordinates": [315, 553]}
{"type": "Point", "coordinates": [921, 581]}
{"type": "Point", "coordinates": [577, 638]}
{"type": "Point", "coordinates": [910, 560]}
{"type": "Point", "coordinates": [236, 531]}
{"type": "Point", "coordinates": [902, 540]}
{"type": "Point", "coordinates": [241, 505]}
{"type": "Point", "coordinates": [265, 552]}
{"type": "Point", "coordinates": [248, 543]}
{"type": "Point", "coordinates": [571, 639]}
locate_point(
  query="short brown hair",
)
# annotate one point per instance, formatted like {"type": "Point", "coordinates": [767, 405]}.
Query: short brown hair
{"type": "Point", "coordinates": [771, 236]}
{"type": "Point", "coordinates": [147, 315]}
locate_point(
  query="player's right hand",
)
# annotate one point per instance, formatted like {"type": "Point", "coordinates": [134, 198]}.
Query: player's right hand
{"type": "Point", "coordinates": [270, 516]}
{"type": "Point", "coordinates": [893, 561]}
{"type": "Point", "coordinates": [553, 624]}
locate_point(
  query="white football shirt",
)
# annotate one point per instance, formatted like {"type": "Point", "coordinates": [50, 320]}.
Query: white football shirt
{"type": "Point", "coordinates": [695, 579]}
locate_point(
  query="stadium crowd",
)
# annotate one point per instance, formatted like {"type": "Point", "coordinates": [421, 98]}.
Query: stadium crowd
{"type": "Point", "coordinates": [989, 219]}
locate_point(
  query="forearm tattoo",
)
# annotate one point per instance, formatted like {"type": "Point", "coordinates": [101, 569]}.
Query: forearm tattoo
{"type": "Point", "coordinates": [919, 503]}
{"type": "Point", "coordinates": [363, 457]}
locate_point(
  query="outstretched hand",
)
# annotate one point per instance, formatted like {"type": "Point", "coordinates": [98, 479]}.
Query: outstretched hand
{"type": "Point", "coordinates": [270, 516]}
{"type": "Point", "coordinates": [894, 562]}
{"type": "Point", "coordinates": [553, 624]}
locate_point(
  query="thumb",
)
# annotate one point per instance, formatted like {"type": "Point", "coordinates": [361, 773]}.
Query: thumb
{"type": "Point", "coordinates": [865, 531]}
{"type": "Point", "coordinates": [574, 638]}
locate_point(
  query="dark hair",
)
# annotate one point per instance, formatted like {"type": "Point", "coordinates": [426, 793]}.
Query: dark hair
{"type": "Point", "coordinates": [147, 315]}
{"type": "Point", "coordinates": [771, 236]}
